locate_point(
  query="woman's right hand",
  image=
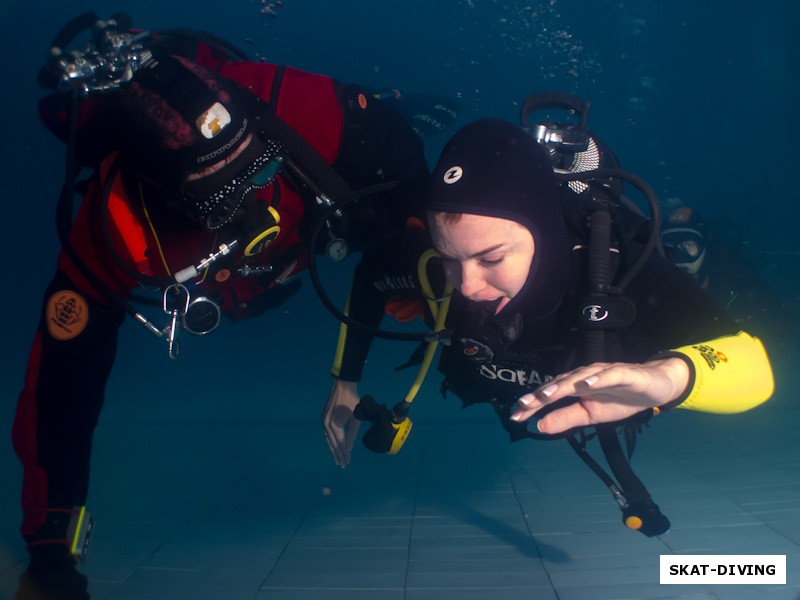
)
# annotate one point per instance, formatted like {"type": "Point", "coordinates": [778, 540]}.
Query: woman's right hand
{"type": "Point", "coordinates": [338, 422]}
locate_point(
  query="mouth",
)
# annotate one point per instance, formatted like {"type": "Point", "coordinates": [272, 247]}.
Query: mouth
{"type": "Point", "coordinates": [488, 304]}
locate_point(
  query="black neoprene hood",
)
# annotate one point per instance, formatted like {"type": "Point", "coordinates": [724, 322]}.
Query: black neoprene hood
{"type": "Point", "coordinates": [493, 168]}
{"type": "Point", "coordinates": [179, 117]}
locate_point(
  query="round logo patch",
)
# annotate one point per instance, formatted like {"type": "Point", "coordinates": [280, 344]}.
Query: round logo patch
{"type": "Point", "coordinates": [66, 315]}
{"type": "Point", "coordinates": [452, 175]}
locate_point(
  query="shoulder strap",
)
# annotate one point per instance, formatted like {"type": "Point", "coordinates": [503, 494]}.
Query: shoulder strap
{"type": "Point", "coordinates": [275, 90]}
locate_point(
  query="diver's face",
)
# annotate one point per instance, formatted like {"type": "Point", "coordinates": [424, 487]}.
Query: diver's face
{"type": "Point", "coordinates": [485, 258]}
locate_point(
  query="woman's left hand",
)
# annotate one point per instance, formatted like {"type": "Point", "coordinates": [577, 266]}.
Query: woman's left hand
{"type": "Point", "coordinates": [606, 392]}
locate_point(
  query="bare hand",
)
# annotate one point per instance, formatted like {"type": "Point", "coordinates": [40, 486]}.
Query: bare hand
{"type": "Point", "coordinates": [341, 427]}
{"type": "Point", "coordinates": [606, 392]}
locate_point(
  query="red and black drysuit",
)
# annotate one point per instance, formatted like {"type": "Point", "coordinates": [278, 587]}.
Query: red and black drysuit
{"type": "Point", "coordinates": [73, 351]}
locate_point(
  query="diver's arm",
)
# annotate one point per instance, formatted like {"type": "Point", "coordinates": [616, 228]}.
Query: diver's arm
{"type": "Point", "coordinates": [730, 374]}
{"type": "Point", "coordinates": [727, 371]}
{"type": "Point", "coordinates": [381, 274]}
{"type": "Point", "coordinates": [339, 423]}
{"type": "Point", "coordinates": [606, 392]}
{"type": "Point", "coordinates": [385, 272]}
{"type": "Point", "coordinates": [364, 305]}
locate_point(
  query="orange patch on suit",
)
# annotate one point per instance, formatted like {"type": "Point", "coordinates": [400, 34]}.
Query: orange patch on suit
{"type": "Point", "coordinates": [66, 315]}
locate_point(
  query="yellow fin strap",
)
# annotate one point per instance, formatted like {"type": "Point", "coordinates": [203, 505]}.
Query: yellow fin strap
{"type": "Point", "coordinates": [732, 374]}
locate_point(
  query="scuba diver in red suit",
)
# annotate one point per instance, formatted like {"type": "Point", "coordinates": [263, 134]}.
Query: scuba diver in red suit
{"type": "Point", "coordinates": [208, 171]}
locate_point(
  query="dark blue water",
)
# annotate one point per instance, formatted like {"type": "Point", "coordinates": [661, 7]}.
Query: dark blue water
{"type": "Point", "coordinates": [697, 98]}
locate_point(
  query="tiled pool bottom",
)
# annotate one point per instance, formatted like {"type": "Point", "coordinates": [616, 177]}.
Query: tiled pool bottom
{"type": "Point", "coordinates": [258, 510]}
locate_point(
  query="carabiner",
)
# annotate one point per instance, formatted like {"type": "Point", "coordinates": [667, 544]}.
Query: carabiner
{"type": "Point", "coordinates": [172, 306]}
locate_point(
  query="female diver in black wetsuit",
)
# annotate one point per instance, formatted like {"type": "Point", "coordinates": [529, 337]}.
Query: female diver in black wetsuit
{"type": "Point", "coordinates": [517, 256]}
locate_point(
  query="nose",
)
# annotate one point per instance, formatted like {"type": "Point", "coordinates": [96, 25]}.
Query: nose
{"type": "Point", "coordinates": [470, 280]}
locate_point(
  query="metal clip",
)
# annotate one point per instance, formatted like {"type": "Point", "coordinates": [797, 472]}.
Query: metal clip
{"type": "Point", "coordinates": [175, 305]}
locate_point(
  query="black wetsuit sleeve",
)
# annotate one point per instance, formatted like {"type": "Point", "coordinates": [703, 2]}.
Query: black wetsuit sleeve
{"type": "Point", "coordinates": [366, 308]}
{"type": "Point", "coordinates": [673, 310]}
{"type": "Point", "coordinates": [386, 271]}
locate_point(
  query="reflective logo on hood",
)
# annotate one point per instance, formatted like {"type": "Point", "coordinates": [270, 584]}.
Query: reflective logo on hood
{"type": "Point", "coordinates": [452, 175]}
{"type": "Point", "coordinates": [213, 121]}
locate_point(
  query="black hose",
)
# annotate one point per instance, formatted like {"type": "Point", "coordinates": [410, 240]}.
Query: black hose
{"type": "Point", "coordinates": [653, 205]}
